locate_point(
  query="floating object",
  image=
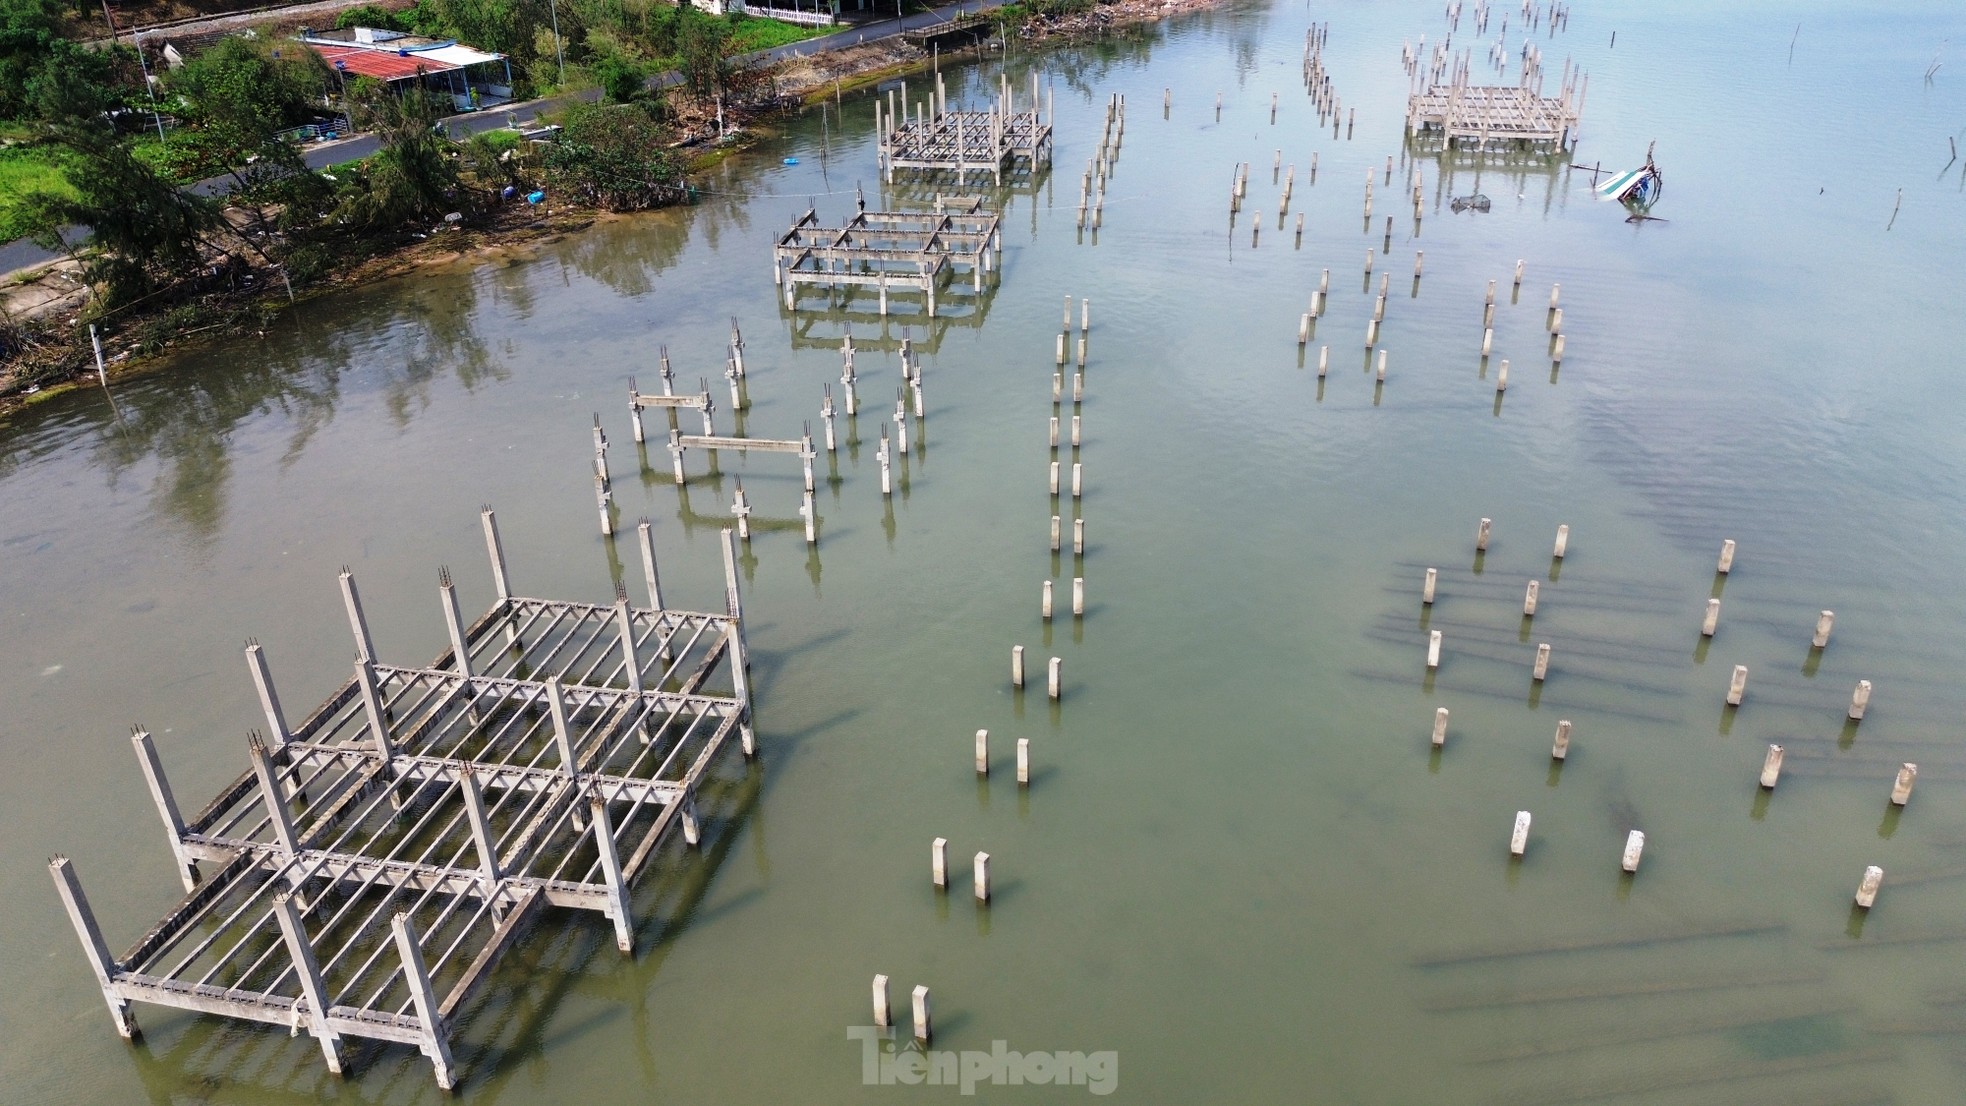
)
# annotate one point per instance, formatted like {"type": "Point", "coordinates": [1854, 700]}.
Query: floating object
{"type": "Point", "coordinates": [791, 161]}
{"type": "Point", "coordinates": [1638, 189]}
{"type": "Point", "coordinates": [1476, 203]}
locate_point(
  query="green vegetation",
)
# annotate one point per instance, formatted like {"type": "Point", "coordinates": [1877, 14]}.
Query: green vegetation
{"type": "Point", "coordinates": [748, 34]}
{"type": "Point", "coordinates": [149, 233]}
{"type": "Point", "coordinates": [25, 170]}
{"type": "Point", "coordinates": [615, 157]}
{"type": "Point", "coordinates": [81, 148]}
{"type": "Point", "coordinates": [1017, 14]}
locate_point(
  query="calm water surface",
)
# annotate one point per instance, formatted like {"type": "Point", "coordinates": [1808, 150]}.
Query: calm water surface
{"type": "Point", "coordinates": [1239, 865]}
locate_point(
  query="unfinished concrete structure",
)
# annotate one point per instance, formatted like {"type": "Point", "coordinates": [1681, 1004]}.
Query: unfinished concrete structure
{"type": "Point", "coordinates": [364, 876]}
{"type": "Point", "coordinates": [1447, 108]}
{"type": "Point", "coordinates": [891, 250]}
{"type": "Point", "coordinates": [934, 139]}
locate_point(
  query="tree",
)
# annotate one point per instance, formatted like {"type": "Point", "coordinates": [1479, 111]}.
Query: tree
{"type": "Point", "coordinates": [147, 232]}
{"type": "Point", "coordinates": [241, 93]}
{"type": "Point", "coordinates": [700, 49]}
{"type": "Point", "coordinates": [47, 77]}
{"type": "Point", "coordinates": [413, 178]}
{"type": "Point", "coordinates": [616, 157]}
{"type": "Point", "coordinates": [621, 78]}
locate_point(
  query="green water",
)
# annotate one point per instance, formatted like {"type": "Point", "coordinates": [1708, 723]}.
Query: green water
{"type": "Point", "coordinates": [1238, 864]}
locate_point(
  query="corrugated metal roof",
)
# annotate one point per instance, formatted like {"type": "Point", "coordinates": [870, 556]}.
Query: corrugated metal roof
{"type": "Point", "coordinates": [458, 55]}
{"type": "Point", "coordinates": [380, 64]}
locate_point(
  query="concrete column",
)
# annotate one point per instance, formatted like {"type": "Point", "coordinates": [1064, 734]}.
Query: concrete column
{"type": "Point", "coordinates": [313, 994]}
{"type": "Point", "coordinates": [372, 705]}
{"type": "Point", "coordinates": [275, 798]}
{"type": "Point", "coordinates": [645, 537]}
{"type": "Point", "coordinates": [624, 624]}
{"type": "Point", "coordinates": [160, 792]}
{"type": "Point", "coordinates": [269, 701]}
{"type": "Point", "coordinates": [454, 623]}
{"type": "Point", "coordinates": [93, 946]}
{"type": "Point", "coordinates": [417, 976]}
{"type": "Point", "coordinates": [603, 829]}
{"type": "Point", "coordinates": [497, 551]}
{"type": "Point", "coordinates": [357, 622]}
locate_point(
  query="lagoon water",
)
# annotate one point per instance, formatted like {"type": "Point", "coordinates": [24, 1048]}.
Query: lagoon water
{"type": "Point", "coordinates": [1239, 867]}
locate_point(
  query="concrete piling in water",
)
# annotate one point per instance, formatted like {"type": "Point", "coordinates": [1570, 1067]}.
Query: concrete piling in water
{"type": "Point", "coordinates": [921, 1014]}
{"type": "Point", "coordinates": [1045, 605]}
{"type": "Point", "coordinates": [1518, 272]}
{"type": "Point", "coordinates": [1771, 766]}
{"type": "Point", "coordinates": [1054, 478]}
{"type": "Point", "coordinates": [938, 862]}
{"type": "Point", "coordinates": [1078, 537]}
{"type": "Point", "coordinates": [1419, 261]}
{"type": "Point", "coordinates": [1078, 480]}
{"type": "Point", "coordinates": [1737, 686]}
{"type": "Point", "coordinates": [1017, 667]}
{"type": "Point", "coordinates": [1867, 887]}
{"type": "Point", "coordinates": [1859, 701]}
{"type": "Point", "coordinates": [1823, 624]}
{"type": "Point", "coordinates": [1541, 670]}
{"type": "Point", "coordinates": [1054, 533]}
{"type": "Point", "coordinates": [1502, 377]}
{"type": "Point", "coordinates": [1371, 333]}
{"type": "Point", "coordinates": [1562, 542]}
{"type": "Point", "coordinates": [1440, 727]}
{"type": "Point", "coordinates": [980, 875]}
{"type": "Point", "coordinates": [1427, 589]}
{"type": "Point", "coordinates": [1433, 649]}
{"type": "Point", "coordinates": [1556, 291]}
{"type": "Point", "coordinates": [1726, 557]}
{"type": "Point", "coordinates": [1368, 257]}
{"type": "Point", "coordinates": [1634, 848]}
{"type": "Point", "coordinates": [1556, 350]}
{"type": "Point", "coordinates": [1054, 680]}
{"type": "Point", "coordinates": [982, 752]}
{"type": "Point", "coordinates": [1901, 787]}
{"type": "Point", "coordinates": [1556, 321]}
{"type": "Point", "coordinates": [1519, 837]}
{"type": "Point", "coordinates": [1382, 367]}
{"type": "Point", "coordinates": [1078, 597]}
{"type": "Point", "coordinates": [1053, 434]}
{"type": "Point", "coordinates": [1304, 329]}
{"type": "Point", "coordinates": [1712, 621]}
{"type": "Point", "coordinates": [1487, 340]}
{"type": "Point", "coordinates": [1529, 599]}
{"type": "Point", "coordinates": [1560, 749]}
{"type": "Point", "coordinates": [1075, 431]}
{"type": "Point", "coordinates": [1023, 762]}
{"type": "Point", "coordinates": [1323, 361]}
{"type": "Point", "coordinates": [1481, 535]}
{"type": "Point", "coordinates": [882, 1016]}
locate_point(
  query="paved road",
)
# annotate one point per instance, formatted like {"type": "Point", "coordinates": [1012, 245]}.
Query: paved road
{"type": "Point", "coordinates": [23, 253]}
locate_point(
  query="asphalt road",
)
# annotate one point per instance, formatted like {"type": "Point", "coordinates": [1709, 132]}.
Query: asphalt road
{"type": "Point", "coordinates": [22, 254]}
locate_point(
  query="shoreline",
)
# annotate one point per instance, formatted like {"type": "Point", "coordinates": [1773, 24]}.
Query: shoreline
{"type": "Point", "coordinates": [228, 315]}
